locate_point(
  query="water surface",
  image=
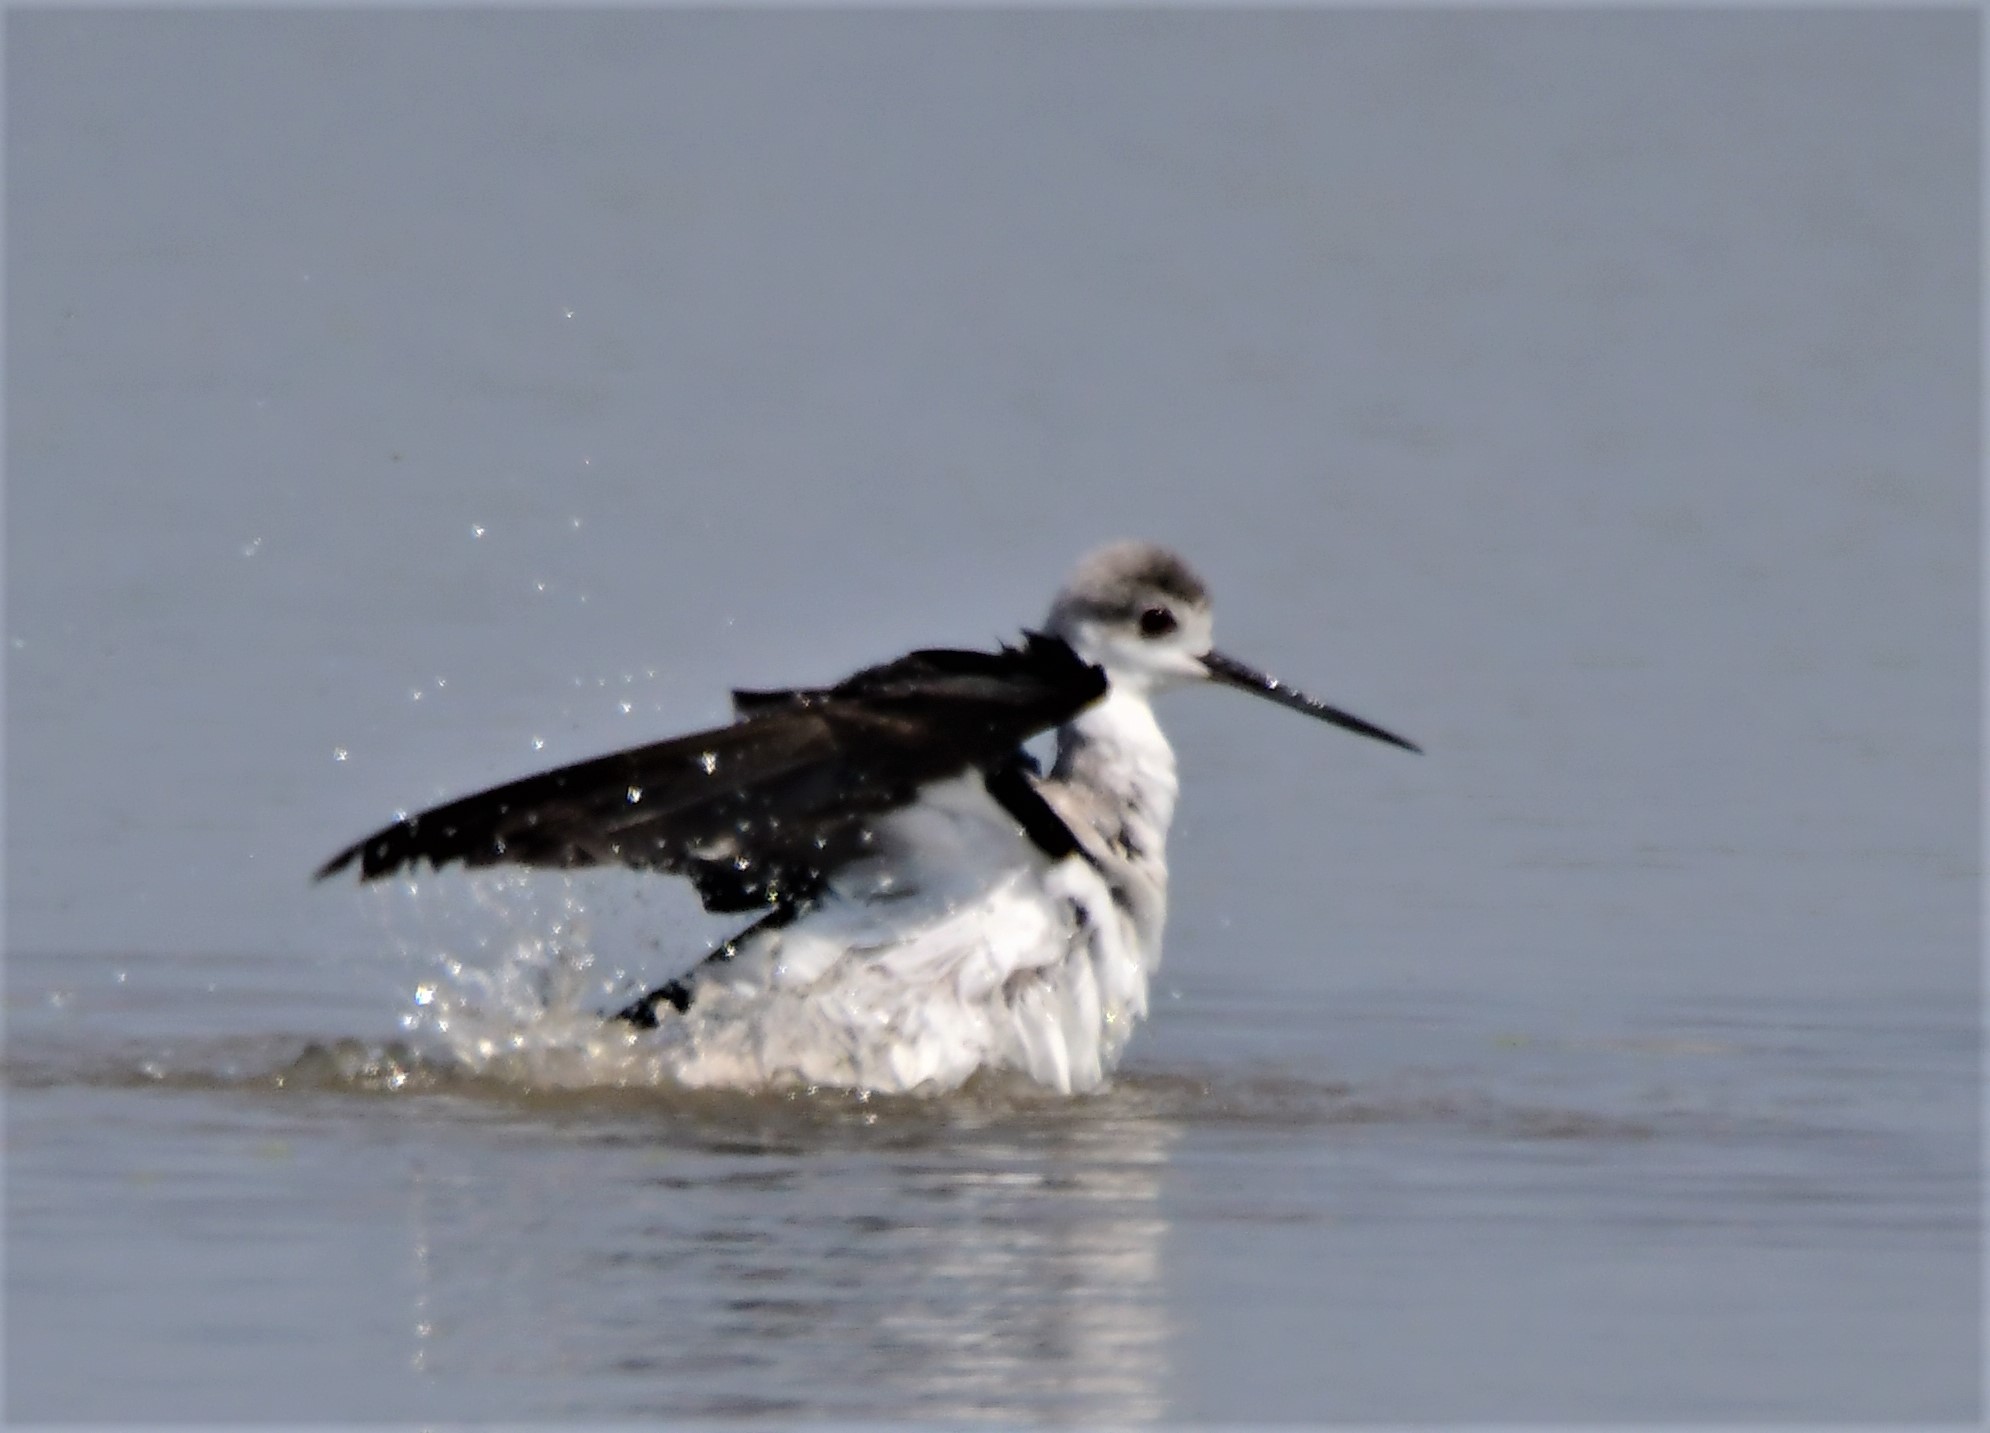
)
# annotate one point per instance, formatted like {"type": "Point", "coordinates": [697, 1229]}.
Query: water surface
{"type": "Point", "coordinates": [397, 403]}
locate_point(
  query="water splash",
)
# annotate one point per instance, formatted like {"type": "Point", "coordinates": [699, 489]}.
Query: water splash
{"type": "Point", "coordinates": [514, 992]}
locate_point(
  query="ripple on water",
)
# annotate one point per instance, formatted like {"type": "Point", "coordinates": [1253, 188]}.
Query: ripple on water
{"type": "Point", "coordinates": [609, 1073]}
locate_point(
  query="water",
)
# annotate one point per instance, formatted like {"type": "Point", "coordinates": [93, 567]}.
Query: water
{"type": "Point", "coordinates": [1283, 1210]}
{"type": "Point", "coordinates": [400, 403]}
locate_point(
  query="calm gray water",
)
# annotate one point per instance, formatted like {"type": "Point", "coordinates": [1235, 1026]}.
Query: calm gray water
{"type": "Point", "coordinates": [396, 403]}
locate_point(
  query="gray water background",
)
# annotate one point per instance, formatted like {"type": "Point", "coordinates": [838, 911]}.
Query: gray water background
{"type": "Point", "coordinates": [400, 402]}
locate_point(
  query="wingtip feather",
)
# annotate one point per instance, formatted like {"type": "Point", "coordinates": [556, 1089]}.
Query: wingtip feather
{"type": "Point", "coordinates": [337, 863]}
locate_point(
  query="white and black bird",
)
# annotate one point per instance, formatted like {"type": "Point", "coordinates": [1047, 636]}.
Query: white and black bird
{"type": "Point", "coordinates": [930, 904]}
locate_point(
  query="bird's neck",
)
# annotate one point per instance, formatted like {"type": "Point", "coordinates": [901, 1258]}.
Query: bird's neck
{"type": "Point", "coordinates": [1115, 750]}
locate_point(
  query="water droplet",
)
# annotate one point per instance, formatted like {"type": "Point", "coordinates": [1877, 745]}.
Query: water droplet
{"type": "Point", "coordinates": [425, 993]}
{"type": "Point", "coordinates": [253, 546]}
{"type": "Point", "coordinates": [710, 761]}
{"type": "Point", "coordinates": [339, 753]}
{"type": "Point", "coordinates": [635, 794]}
{"type": "Point", "coordinates": [566, 313]}
{"type": "Point", "coordinates": [476, 529]}
{"type": "Point", "coordinates": [538, 743]}
{"type": "Point", "coordinates": [576, 523]}
{"type": "Point", "coordinates": [627, 707]}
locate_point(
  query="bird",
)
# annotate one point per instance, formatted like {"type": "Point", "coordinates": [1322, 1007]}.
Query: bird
{"type": "Point", "coordinates": [928, 903]}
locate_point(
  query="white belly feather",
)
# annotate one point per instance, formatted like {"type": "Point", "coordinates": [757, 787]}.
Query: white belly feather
{"type": "Point", "coordinates": [961, 947]}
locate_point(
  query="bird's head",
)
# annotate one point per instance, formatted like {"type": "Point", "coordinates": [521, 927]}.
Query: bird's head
{"type": "Point", "coordinates": [1140, 612]}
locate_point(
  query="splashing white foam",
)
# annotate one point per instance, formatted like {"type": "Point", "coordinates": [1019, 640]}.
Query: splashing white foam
{"type": "Point", "coordinates": [515, 992]}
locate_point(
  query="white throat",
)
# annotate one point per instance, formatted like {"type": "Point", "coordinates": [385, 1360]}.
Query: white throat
{"type": "Point", "coordinates": [1115, 752]}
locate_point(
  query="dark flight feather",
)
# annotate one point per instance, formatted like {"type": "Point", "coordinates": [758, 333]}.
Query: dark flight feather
{"type": "Point", "coordinates": [761, 812]}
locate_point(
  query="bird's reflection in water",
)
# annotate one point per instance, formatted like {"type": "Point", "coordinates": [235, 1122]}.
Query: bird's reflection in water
{"type": "Point", "coordinates": [958, 1260]}
{"type": "Point", "coordinates": [1041, 1288]}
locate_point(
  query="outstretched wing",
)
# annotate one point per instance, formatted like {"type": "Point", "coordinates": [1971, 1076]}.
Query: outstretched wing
{"type": "Point", "coordinates": [761, 812]}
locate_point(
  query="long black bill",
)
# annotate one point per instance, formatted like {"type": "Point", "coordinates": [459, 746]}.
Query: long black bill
{"type": "Point", "coordinates": [1233, 673]}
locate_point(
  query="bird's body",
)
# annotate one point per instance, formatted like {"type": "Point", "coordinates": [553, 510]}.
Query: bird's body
{"type": "Point", "coordinates": [961, 945]}
{"type": "Point", "coordinates": [933, 905]}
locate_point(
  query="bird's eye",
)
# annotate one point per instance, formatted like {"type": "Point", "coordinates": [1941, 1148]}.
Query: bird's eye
{"type": "Point", "coordinates": [1156, 622]}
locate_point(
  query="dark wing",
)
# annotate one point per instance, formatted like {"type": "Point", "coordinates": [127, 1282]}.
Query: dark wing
{"type": "Point", "coordinates": [760, 812]}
